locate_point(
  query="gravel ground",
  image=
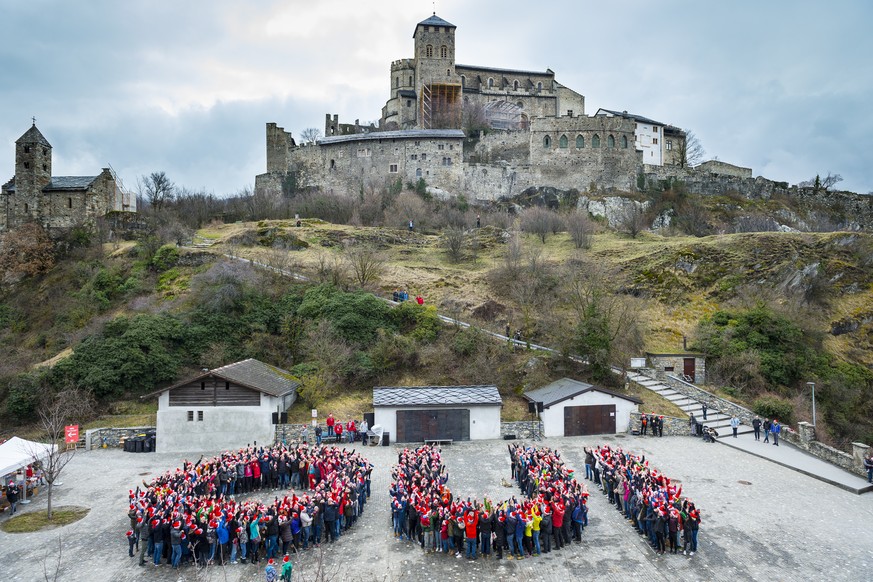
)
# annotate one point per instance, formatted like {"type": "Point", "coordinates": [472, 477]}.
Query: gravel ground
{"type": "Point", "coordinates": [761, 521]}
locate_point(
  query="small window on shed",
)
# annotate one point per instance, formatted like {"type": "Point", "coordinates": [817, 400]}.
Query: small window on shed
{"type": "Point", "coordinates": [563, 142]}
{"type": "Point", "coordinates": [200, 416]}
{"type": "Point", "coordinates": [190, 416]}
{"type": "Point", "coordinates": [227, 385]}
{"type": "Point", "coordinates": [580, 142]}
{"type": "Point", "coordinates": [668, 368]}
{"type": "Point", "coordinates": [203, 385]}
{"type": "Point", "coordinates": [595, 141]}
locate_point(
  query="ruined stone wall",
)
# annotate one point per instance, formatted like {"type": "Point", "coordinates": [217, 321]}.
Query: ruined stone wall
{"type": "Point", "coordinates": [498, 146]}
{"type": "Point", "coordinates": [724, 169]}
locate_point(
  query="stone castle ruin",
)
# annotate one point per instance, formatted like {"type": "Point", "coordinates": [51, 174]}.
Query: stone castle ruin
{"type": "Point", "coordinates": [57, 203]}
{"type": "Point", "coordinates": [493, 134]}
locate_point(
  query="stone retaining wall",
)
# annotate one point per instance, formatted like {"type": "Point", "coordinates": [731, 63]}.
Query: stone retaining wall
{"type": "Point", "coordinates": [804, 438]}
{"type": "Point", "coordinates": [713, 402]}
{"type": "Point", "coordinates": [672, 426]}
{"type": "Point", "coordinates": [95, 438]}
{"type": "Point", "coordinates": [522, 429]}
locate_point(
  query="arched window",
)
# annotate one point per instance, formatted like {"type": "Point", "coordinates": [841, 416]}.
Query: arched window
{"type": "Point", "coordinates": [624, 142]}
{"type": "Point", "coordinates": [418, 172]}
{"type": "Point", "coordinates": [463, 81]}
{"type": "Point", "coordinates": [333, 164]}
{"type": "Point", "coordinates": [562, 142]}
{"type": "Point", "coordinates": [547, 142]}
{"type": "Point", "coordinates": [595, 141]}
{"type": "Point", "coordinates": [515, 85]}
{"type": "Point", "coordinates": [448, 72]}
{"type": "Point", "coordinates": [428, 51]}
{"type": "Point", "coordinates": [444, 52]}
{"type": "Point", "coordinates": [410, 80]}
{"type": "Point", "coordinates": [580, 142]}
{"type": "Point", "coordinates": [69, 202]}
{"type": "Point", "coordinates": [610, 142]}
{"type": "Point", "coordinates": [490, 82]}
{"type": "Point", "coordinates": [26, 207]}
{"type": "Point", "coordinates": [539, 86]}
{"type": "Point", "coordinates": [520, 105]}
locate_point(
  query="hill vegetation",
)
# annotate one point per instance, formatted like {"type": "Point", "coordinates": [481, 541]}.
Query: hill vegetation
{"type": "Point", "coordinates": [772, 311]}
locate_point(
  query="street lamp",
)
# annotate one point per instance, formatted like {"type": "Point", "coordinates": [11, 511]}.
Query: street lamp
{"type": "Point", "coordinates": [812, 385]}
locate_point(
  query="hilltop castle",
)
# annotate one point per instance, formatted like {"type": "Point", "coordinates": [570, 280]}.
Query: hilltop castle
{"type": "Point", "coordinates": [485, 132]}
{"type": "Point", "coordinates": [56, 202]}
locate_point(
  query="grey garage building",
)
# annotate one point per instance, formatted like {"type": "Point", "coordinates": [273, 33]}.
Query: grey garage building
{"type": "Point", "coordinates": [419, 413]}
{"type": "Point", "coordinates": [573, 408]}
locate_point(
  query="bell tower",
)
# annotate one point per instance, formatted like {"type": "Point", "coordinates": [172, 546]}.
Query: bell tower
{"type": "Point", "coordinates": [33, 172]}
{"type": "Point", "coordinates": [437, 85]}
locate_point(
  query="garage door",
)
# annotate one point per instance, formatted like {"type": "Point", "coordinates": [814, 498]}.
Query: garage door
{"type": "Point", "coordinates": [419, 425]}
{"type": "Point", "coordinates": [595, 419]}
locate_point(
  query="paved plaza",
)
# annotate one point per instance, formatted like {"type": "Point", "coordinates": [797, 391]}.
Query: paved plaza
{"type": "Point", "coordinates": [761, 521]}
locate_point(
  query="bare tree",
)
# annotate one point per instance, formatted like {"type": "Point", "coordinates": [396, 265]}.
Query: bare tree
{"type": "Point", "coordinates": [580, 228]}
{"type": "Point", "coordinates": [631, 218]}
{"type": "Point", "coordinates": [691, 151]}
{"type": "Point", "coordinates": [57, 411]}
{"type": "Point", "coordinates": [365, 263]}
{"type": "Point", "coordinates": [329, 268]}
{"type": "Point", "coordinates": [455, 239]}
{"type": "Point", "coordinates": [157, 189]}
{"type": "Point", "coordinates": [539, 221]}
{"type": "Point", "coordinates": [310, 135]}
{"type": "Point", "coordinates": [819, 184]}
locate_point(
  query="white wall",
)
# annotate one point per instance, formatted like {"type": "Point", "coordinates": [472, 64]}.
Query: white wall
{"type": "Point", "coordinates": [484, 420]}
{"type": "Point", "coordinates": [222, 427]}
{"type": "Point", "coordinates": [553, 418]}
{"type": "Point", "coordinates": [650, 139]}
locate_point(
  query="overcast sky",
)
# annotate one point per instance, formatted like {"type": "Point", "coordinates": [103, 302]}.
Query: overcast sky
{"type": "Point", "coordinates": [784, 87]}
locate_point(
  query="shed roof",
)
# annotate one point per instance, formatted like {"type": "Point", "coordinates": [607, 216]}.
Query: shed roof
{"type": "Point", "coordinates": [566, 388]}
{"type": "Point", "coordinates": [436, 396]}
{"type": "Point", "coordinates": [250, 373]}
{"type": "Point", "coordinates": [398, 134]}
{"type": "Point", "coordinates": [638, 118]}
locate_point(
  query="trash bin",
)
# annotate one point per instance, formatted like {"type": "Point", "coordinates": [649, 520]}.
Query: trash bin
{"type": "Point", "coordinates": [152, 443]}
{"type": "Point", "coordinates": [509, 437]}
{"type": "Point", "coordinates": [138, 444]}
{"type": "Point", "coordinates": [386, 439]}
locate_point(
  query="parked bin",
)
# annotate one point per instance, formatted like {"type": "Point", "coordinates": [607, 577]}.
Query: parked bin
{"type": "Point", "coordinates": [386, 439]}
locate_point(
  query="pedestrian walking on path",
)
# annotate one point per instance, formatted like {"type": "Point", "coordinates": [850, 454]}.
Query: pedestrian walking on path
{"type": "Point", "coordinates": [775, 428]}
{"type": "Point", "coordinates": [704, 410]}
{"type": "Point", "coordinates": [766, 427]}
{"type": "Point", "coordinates": [868, 466]}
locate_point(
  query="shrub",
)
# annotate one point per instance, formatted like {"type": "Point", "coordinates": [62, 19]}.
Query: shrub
{"type": "Point", "coordinates": [770, 406]}
{"type": "Point", "coordinates": [467, 341]}
{"type": "Point", "coordinates": [165, 258]}
{"type": "Point", "coordinates": [355, 316]}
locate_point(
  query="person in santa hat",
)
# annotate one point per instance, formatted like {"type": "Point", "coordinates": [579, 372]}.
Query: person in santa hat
{"type": "Point", "coordinates": [287, 566]}
{"type": "Point", "coordinates": [270, 574]}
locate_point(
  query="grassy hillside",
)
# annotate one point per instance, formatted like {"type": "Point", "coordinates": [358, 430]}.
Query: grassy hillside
{"type": "Point", "coordinates": [219, 311]}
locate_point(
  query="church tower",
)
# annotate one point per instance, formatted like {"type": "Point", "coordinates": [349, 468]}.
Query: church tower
{"type": "Point", "coordinates": [33, 172]}
{"type": "Point", "coordinates": [437, 85]}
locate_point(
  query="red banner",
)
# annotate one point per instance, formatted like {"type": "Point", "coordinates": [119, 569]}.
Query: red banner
{"type": "Point", "coordinates": [71, 433]}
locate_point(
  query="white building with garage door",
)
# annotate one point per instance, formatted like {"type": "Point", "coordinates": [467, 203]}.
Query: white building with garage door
{"type": "Point", "coordinates": [419, 413]}
{"type": "Point", "coordinates": [572, 408]}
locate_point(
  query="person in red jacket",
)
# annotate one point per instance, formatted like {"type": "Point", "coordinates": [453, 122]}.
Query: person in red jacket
{"type": "Point", "coordinates": [558, 510]}
{"type": "Point", "coordinates": [330, 422]}
{"type": "Point", "coordinates": [338, 430]}
{"type": "Point", "coordinates": [471, 520]}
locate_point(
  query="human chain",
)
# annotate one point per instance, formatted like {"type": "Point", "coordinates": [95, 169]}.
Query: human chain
{"type": "Point", "coordinates": [191, 515]}
{"type": "Point", "coordinates": [424, 508]}
{"type": "Point", "coordinates": [646, 497]}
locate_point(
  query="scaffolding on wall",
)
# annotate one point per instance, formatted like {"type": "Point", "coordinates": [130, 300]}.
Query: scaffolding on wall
{"type": "Point", "coordinates": [441, 106]}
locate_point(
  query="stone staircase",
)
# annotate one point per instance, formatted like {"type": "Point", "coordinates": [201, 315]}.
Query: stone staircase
{"type": "Point", "coordinates": [714, 419]}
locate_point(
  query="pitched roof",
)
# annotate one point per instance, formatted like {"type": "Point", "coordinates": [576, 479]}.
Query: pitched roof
{"type": "Point", "coordinates": [633, 116]}
{"type": "Point", "coordinates": [436, 396]}
{"type": "Point", "coordinates": [33, 135]}
{"type": "Point", "coordinates": [547, 72]}
{"type": "Point", "coordinates": [250, 373]}
{"type": "Point", "coordinates": [433, 21]}
{"type": "Point", "coordinates": [69, 183]}
{"type": "Point", "coordinates": [565, 388]}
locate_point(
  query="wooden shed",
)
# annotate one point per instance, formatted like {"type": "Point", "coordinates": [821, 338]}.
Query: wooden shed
{"type": "Point", "coordinates": [222, 408]}
{"type": "Point", "coordinates": [572, 408]}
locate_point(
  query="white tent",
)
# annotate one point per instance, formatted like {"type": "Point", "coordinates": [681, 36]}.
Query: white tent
{"type": "Point", "coordinates": [17, 453]}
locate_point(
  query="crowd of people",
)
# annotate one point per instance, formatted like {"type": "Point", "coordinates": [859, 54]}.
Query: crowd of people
{"type": "Point", "coordinates": [652, 423]}
{"type": "Point", "coordinates": [647, 498]}
{"type": "Point", "coordinates": [349, 432]}
{"type": "Point", "coordinates": [192, 514]}
{"type": "Point", "coordinates": [552, 512]}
